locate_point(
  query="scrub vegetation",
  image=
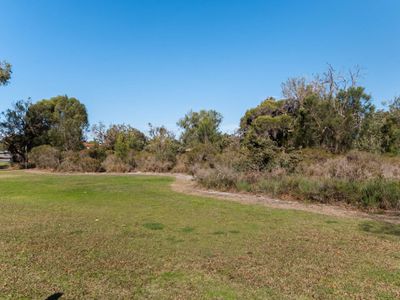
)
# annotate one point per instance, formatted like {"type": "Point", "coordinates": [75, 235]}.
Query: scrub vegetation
{"type": "Point", "coordinates": [324, 141]}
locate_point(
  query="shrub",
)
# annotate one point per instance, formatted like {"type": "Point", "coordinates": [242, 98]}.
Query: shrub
{"type": "Point", "coordinates": [45, 157]}
{"type": "Point", "coordinates": [115, 164]}
{"type": "Point", "coordinates": [149, 162]}
{"type": "Point", "coordinates": [219, 178]}
{"type": "Point", "coordinates": [384, 194]}
{"type": "Point", "coordinates": [353, 166]}
{"type": "Point", "coordinates": [376, 193]}
{"type": "Point", "coordinates": [79, 162]}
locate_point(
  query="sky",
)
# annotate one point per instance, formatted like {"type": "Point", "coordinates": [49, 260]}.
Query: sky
{"type": "Point", "coordinates": [145, 61]}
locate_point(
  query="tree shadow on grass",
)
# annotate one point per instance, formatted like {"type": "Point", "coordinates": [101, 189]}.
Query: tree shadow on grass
{"type": "Point", "coordinates": [380, 228]}
{"type": "Point", "coordinates": [55, 296]}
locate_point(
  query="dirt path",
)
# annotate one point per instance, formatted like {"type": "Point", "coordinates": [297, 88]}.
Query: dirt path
{"type": "Point", "coordinates": [184, 184]}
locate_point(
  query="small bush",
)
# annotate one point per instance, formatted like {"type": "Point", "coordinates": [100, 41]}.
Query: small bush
{"type": "Point", "coordinates": [353, 166]}
{"type": "Point", "coordinates": [79, 162]}
{"type": "Point", "coordinates": [149, 162]}
{"type": "Point", "coordinates": [380, 193]}
{"type": "Point", "coordinates": [45, 157]}
{"type": "Point", "coordinates": [219, 178]}
{"type": "Point", "coordinates": [115, 164]}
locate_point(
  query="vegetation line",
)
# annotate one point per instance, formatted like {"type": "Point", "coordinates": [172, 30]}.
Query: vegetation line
{"type": "Point", "coordinates": [324, 142]}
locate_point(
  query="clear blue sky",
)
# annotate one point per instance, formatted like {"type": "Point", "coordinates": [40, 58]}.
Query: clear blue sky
{"type": "Point", "coordinates": [152, 61]}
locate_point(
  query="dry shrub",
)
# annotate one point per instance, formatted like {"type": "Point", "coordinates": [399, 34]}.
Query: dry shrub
{"type": "Point", "coordinates": [354, 165]}
{"type": "Point", "coordinates": [147, 162]}
{"type": "Point", "coordinates": [181, 165]}
{"type": "Point", "coordinates": [79, 162]}
{"type": "Point", "coordinates": [222, 178]}
{"type": "Point", "coordinates": [115, 164]}
{"type": "Point", "coordinates": [45, 157]}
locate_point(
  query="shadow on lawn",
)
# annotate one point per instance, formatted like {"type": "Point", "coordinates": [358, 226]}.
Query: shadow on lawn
{"type": "Point", "coordinates": [380, 228]}
{"type": "Point", "coordinates": [55, 296]}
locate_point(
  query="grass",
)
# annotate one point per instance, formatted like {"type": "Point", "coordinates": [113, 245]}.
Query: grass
{"type": "Point", "coordinates": [132, 237]}
{"type": "Point", "coordinates": [4, 164]}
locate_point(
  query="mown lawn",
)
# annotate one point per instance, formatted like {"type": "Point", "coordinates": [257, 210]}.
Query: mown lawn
{"type": "Point", "coordinates": [132, 237]}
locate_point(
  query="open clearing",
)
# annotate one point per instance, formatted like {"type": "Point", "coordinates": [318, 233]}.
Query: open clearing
{"type": "Point", "coordinates": [133, 237]}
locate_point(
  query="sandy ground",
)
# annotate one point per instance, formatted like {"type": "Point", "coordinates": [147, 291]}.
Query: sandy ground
{"type": "Point", "coordinates": [184, 184]}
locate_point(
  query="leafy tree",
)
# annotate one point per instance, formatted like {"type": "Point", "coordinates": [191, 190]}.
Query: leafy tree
{"type": "Point", "coordinates": [5, 72]}
{"type": "Point", "coordinates": [391, 128]}
{"type": "Point", "coordinates": [123, 139]}
{"type": "Point", "coordinates": [13, 128]}
{"type": "Point", "coordinates": [200, 127]}
{"type": "Point", "coordinates": [269, 120]}
{"type": "Point", "coordinates": [59, 121]}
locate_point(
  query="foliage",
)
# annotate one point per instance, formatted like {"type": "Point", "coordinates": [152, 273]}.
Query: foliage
{"type": "Point", "coordinates": [374, 193]}
{"type": "Point", "coordinates": [73, 161]}
{"type": "Point", "coordinates": [59, 121]}
{"type": "Point", "coordinates": [160, 153]}
{"type": "Point", "coordinates": [114, 163]}
{"type": "Point", "coordinates": [13, 131]}
{"type": "Point", "coordinates": [120, 138]}
{"type": "Point", "coordinates": [200, 127]}
{"type": "Point", "coordinates": [5, 72]}
{"type": "Point", "coordinates": [45, 157]}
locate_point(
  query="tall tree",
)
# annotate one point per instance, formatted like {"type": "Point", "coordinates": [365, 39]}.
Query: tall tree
{"type": "Point", "coordinates": [13, 128]}
{"type": "Point", "coordinates": [60, 121]}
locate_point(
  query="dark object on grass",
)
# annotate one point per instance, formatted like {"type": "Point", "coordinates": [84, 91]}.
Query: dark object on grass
{"type": "Point", "coordinates": [55, 296]}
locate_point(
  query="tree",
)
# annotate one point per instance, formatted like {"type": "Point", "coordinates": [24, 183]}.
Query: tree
{"type": "Point", "coordinates": [122, 139]}
{"type": "Point", "coordinates": [270, 119]}
{"type": "Point", "coordinates": [5, 72]}
{"type": "Point", "coordinates": [99, 132]}
{"type": "Point", "coordinates": [200, 127]}
{"type": "Point", "coordinates": [13, 127]}
{"type": "Point", "coordinates": [391, 128]}
{"type": "Point", "coordinates": [162, 144]}
{"type": "Point", "coordinates": [59, 121]}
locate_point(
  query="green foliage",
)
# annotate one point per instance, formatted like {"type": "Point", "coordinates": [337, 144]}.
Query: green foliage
{"type": "Point", "coordinates": [377, 193]}
{"type": "Point", "coordinates": [160, 153]}
{"type": "Point", "coordinates": [200, 127]}
{"type": "Point", "coordinates": [5, 72]}
{"type": "Point", "coordinates": [13, 131]}
{"type": "Point", "coordinates": [269, 120]}
{"type": "Point", "coordinates": [59, 121]}
{"type": "Point", "coordinates": [122, 139]}
{"type": "Point", "coordinates": [391, 128]}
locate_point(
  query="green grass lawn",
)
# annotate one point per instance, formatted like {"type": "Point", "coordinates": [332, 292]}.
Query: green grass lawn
{"type": "Point", "coordinates": [132, 237]}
